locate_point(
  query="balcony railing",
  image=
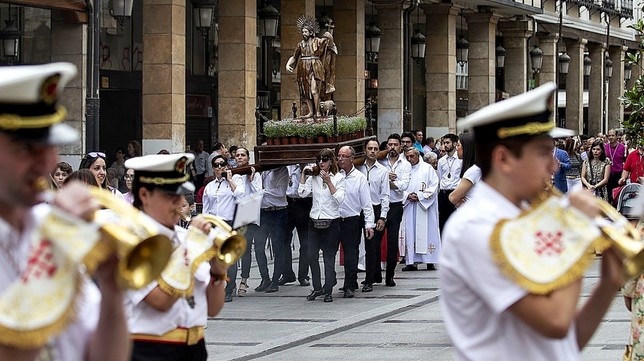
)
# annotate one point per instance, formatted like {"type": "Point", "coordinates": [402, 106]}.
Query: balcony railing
{"type": "Point", "coordinates": [621, 8]}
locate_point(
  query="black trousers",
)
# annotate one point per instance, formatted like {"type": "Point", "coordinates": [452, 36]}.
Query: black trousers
{"type": "Point", "coordinates": [445, 207]}
{"type": "Point", "coordinates": [372, 253]}
{"type": "Point", "coordinates": [298, 218]}
{"type": "Point", "coordinates": [327, 241]}
{"type": "Point", "coordinates": [394, 217]}
{"type": "Point", "coordinates": [613, 182]}
{"type": "Point", "coordinates": [157, 351]}
{"type": "Point", "coordinates": [350, 229]}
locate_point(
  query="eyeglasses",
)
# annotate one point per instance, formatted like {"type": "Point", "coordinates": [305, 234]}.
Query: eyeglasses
{"type": "Point", "coordinates": [342, 156]}
{"type": "Point", "coordinates": [96, 154]}
{"type": "Point", "coordinates": [219, 165]}
{"type": "Point", "coordinates": [323, 159]}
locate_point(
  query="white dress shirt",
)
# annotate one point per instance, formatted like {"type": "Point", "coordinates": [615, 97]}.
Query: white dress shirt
{"type": "Point", "coordinates": [219, 198]}
{"type": "Point", "coordinates": [357, 198]}
{"type": "Point", "coordinates": [378, 181]}
{"type": "Point", "coordinates": [275, 182]}
{"type": "Point", "coordinates": [144, 319]}
{"type": "Point", "coordinates": [402, 168]}
{"type": "Point", "coordinates": [449, 171]}
{"type": "Point", "coordinates": [325, 204]}
{"type": "Point", "coordinates": [201, 162]}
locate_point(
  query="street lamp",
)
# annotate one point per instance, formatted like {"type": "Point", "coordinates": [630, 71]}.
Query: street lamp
{"type": "Point", "coordinates": [564, 63]}
{"type": "Point", "coordinates": [609, 68]}
{"type": "Point", "coordinates": [121, 10]}
{"type": "Point", "coordinates": [536, 57]}
{"type": "Point", "coordinates": [418, 43]}
{"type": "Point", "coordinates": [588, 65]}
{"type": "Point", "coordinates": [203, 13]}
{"type": "Point", "coordinates": [500, 57]}
{"type": "Point", "coordinates": [372, 44]}
{"type": "Point", "coordinates": [462, 50]}
{"type": "Point", "coordinates": [268, 21]}
{"type": "Point", "coordinates": [10, 37]}
{"type": "Point", "coordinates": [628, 71]}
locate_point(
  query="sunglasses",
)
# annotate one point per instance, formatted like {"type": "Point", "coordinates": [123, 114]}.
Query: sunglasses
{"type": "Point", "coordinates": [323, 159]}
{"type": "Point", "coordinates": [96, 154]}
{"type": "Point", "coordinates": [219, 165]}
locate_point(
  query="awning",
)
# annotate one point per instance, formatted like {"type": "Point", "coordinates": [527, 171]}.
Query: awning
{"type": "Point", "coordinates": [76, 7]}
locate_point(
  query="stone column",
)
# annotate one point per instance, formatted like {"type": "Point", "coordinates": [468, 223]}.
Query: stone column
{"type": "Point", "coordinates": [482, 58]}
{"type": "Point", "coordinates": [548, 72]}
{"type": "Point", "coordinates": [237, 72]}
{"type": "Point", "coordinates": [390, 71]}
{"type": "Point", "coordinates": [164, 76]}
{"type": "Point", "coordinates": [440, 65]}
{"type": "Point", "coordinates": [349, 17]}
{"type": "Point", "coordinates": [290, 36]}
{"type": "Point", "coordinates": [69, 44]}
{"type": "Point", "coordinates": [596, 87]}
{"type": "Point", "coordinates": [515, 34]}
{"type": "Point", "coordinates": [575, 85]}
{"type": "Point", "coordinates": [616, 87]}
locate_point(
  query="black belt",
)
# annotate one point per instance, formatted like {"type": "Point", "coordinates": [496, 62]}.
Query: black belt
{"type": "Point", "coordinates": [299, 200]}
{"type": "Point", "coordinates": [270, 209]}
{"type": "Point", "coordinates": [395, 203]}
{"type": "Point", "coordinates": [349, 218]}
{"type": "Point", "coordinates": [446, 191]}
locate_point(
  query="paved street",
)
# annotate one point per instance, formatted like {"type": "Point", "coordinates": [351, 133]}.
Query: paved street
{"type": "Point", "coordinates": [390, 323]}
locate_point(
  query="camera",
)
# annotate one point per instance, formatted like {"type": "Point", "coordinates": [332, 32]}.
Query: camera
{"type": "Point", "coordinates": [308, 171]}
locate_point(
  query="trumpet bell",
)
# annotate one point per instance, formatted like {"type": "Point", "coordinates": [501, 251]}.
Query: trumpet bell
{"type": "Point", "coordinates": [230, 246]}
{"type": "Point", "coordinates": [143, 262]}
{"type": "Point", "coordinates": [143, 252]}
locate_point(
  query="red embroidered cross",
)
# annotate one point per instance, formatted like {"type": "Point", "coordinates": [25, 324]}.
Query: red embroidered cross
{"type": "Point", "coordinates": [40, 262]}
{"type": "Point", "coordinates": [186, 260]}
{"type": "Point", "coordinates": [431, 248]}
{"type": "Point", "coordinates": [548, 243]}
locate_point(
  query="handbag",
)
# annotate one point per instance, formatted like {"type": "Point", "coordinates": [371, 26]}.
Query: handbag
{"type": "Point", "coordinates": [321, 223]}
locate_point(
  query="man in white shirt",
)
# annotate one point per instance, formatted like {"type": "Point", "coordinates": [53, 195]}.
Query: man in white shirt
{"type": "Point", "coordinates": [449, 173]}
{"type": "Point", "coordinates": [31, 128]}
{"type": "Point", "coordinates": [399, 174]}
{"type": "Point", "coordinates": [488, 315]}
{"type": "Point", "coordinates": [298, 218]}
{"type": "Point", "coordinates": [356, 201]}
{"type": "Point", "coordinates": [378, 181]}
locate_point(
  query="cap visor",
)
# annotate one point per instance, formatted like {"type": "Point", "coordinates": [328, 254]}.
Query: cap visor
{"type": "Point", "coordinates": [557, 132]}
{"type": "Point", "coordinates": [60, 134]}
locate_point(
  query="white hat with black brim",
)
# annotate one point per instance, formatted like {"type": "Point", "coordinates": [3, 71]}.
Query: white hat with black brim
{"type": "Point", "coordinates": [167, 172]}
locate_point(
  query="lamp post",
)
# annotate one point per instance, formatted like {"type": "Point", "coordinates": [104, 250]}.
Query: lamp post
{"type": "Point", "coordinates": [500, 57]}
{"type": "Point", "coordinates": [608, 73]}
{"type": "Point", "coordinates": [462, 50]}
{"type": "Point", "coordinates": [588, 65]}
{"type": "Point", "coordinates": [628, 72]}
{"type": "Point", "coordinates": [121, 10]}
{"type": "Point", "coordinates": [563, 61]}
{"type": "Point", "coordinates": [202, 15]}
{"type": "Point", "coordinates": [268, 21]}
{"type": "Point", "coordinates": [10, 38]}
{"type": "Point", "coordinates": [536, 59]}
{"type": "Point", "coordinates": [418, 44]}
{"type": "Point", "coordinates": [372, 41]}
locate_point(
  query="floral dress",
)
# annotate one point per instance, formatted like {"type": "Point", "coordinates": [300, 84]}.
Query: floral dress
{"type": "Point", "coordinates": [595, 174]}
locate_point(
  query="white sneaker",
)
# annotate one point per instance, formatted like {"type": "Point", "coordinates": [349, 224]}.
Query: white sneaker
{"type": "Point", "coordinates": [241, 292]}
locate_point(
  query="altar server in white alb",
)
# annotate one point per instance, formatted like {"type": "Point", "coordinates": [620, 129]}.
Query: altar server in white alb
{"type": "Point", "coordinates": [420, 215]}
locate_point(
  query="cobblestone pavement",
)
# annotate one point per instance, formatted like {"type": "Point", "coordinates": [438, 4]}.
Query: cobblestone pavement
{"type": "Point", "coordinates": [390, 323]}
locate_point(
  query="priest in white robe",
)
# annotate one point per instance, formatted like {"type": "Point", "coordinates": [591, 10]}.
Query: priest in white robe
{"type": "Point", "coordinates": [422, 242]}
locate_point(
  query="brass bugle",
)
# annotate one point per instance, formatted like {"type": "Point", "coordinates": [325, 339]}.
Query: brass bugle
{"type": "Point", "coordinates": [143, 253]}
{"type": "Point", "coordinates": [230, 246]}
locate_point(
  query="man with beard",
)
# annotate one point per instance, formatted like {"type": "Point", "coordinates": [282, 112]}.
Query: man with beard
{"type": "Point", "coordinates": [378, 180]}
{"type": "Point", "coordinates": [449, 174]}
{"type": "Point", "coordinates": [420, 223]}
{"type": "Point", "coordinates": [399, 173]}
{"type": "Point", "coordinates": [356, 201]}
{"type": "Point", "coordinates": [309, 55]}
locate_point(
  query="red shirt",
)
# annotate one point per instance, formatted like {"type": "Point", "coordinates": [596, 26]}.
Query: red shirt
{"type": "Point", "coordinates": [635, 165]}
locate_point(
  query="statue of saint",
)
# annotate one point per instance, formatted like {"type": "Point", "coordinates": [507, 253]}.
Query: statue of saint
{"type": "Point", "coordinates": [315, 60]}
